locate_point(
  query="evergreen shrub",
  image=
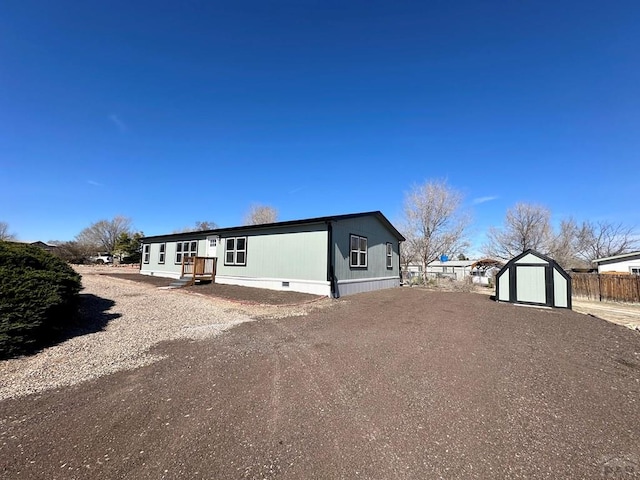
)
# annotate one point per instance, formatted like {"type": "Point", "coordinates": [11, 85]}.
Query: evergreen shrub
{"type": "Point", "coordinates": [39, 296]}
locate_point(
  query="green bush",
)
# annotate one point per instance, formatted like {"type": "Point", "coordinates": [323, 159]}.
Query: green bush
{"type": "Point", "coordinates": [39, 296]}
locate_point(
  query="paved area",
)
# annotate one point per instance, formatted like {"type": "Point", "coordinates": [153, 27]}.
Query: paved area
{"type": "Point", "coordinates": [627, 315]}
{"type": "Point", "coordinates": [402, 383]}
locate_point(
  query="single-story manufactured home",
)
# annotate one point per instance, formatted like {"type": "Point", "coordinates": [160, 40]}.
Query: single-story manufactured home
{"type": "Point", "coordinates": [626, 263]}
{"type": "Point", "coordinates": [334, 256]}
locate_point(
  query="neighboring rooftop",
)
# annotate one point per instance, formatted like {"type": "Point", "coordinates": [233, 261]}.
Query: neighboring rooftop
{"type": "Point", "coordinates": [622, 256]}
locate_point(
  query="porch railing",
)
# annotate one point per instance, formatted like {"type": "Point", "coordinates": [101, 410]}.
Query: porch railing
{"type": "Point", "coordinates": [199, 268]}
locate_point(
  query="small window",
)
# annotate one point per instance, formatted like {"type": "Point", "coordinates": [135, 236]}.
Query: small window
{"type": "Point", "coordinates": [161, 254]}
{"type": "Point", "coordinates": [213, 242]}
{"type": "Point", "coordinates": [635, 270]}
{"type": "Point", "coordinates": [389, 255]}
{"type": "Point", "coordinates": [236, 251]}
{"type": "Point", "coordinates": [147, 253]}
{"type": "Point", "coordinates": [358, 253]}
{"type": "Point", "coordinates": [185, 250]}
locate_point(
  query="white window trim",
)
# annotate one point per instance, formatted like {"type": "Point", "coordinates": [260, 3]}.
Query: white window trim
{"type": "Point", "coordinates": [162, 253]}
{"type": "Point", "coordinates": [359, 252]}
{"type": "Point", "coordinates": [632, 268]}
{"type": "Point", "coordinates": [389, 255]}
{"type": "Point", "coordinates": [235, 251]}
{"type": "Point", "coordinates": [146, 253]}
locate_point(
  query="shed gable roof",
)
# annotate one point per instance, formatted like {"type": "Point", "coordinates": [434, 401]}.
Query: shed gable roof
{"type": "Point", "coordinates": [551, 262]}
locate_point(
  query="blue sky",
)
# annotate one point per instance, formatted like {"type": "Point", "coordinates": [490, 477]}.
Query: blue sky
{"type": "Point", "coordinates": [175, 112]}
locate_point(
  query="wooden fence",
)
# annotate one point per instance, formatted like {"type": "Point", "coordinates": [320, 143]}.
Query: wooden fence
{"type": "Point", "coordinates": [614, 288]}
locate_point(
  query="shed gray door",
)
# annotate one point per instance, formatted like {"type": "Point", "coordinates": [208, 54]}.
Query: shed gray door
{"type": "Point", "coordinates": [531, 284]}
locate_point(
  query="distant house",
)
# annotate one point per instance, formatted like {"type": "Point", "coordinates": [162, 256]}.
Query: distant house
{"type": "Point", "coordinates": [453, 269]}
{"type": "Point", "coordinates": [45, 246]}
{"type": "Point", "coordinates": [626, 263]}
{"type": "Point", "coordinates": [479, 270]}
{"type": "Point", "coordinates": [484, 270]}
{"type": "Point", "coordinates": [334, 256]}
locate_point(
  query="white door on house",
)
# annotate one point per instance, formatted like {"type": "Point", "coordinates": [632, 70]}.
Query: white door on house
{"type": "Point", "coordinates": [212, 245]}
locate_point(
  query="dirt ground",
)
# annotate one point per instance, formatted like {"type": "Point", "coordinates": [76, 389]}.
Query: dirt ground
{"type": "Point", "coordinates": [247, 295]}
{"type": "Point", "coordinates": [402, 383]}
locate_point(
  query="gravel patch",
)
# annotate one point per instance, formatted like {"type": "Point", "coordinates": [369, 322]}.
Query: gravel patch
{"type": "Point", "coordinates": [124, 320]}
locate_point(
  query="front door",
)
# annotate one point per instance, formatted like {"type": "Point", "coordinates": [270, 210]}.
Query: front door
{"type": "Point", "coordinates": [212, 245]}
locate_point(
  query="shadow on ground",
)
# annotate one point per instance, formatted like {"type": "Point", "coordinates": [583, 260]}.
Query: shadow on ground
{"type": "Point", "coordinates": [92, 316]}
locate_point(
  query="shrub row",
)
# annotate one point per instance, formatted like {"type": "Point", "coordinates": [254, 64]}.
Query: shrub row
{"type": "Point", "coordinates": [39, 296]}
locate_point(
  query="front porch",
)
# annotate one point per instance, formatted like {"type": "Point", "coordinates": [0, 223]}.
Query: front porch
{"type": "Point", "coordinates": [197, 269]}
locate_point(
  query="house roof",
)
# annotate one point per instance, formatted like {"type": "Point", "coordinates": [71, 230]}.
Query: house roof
{"type": "Point", "coordinates": [290, 223]}
{"type": "Point", "coordinates": [487, 263]}
{"type": "Point", "coordinates": [37, 243]}
{"type": "Point", "coordinates": [622, 256]}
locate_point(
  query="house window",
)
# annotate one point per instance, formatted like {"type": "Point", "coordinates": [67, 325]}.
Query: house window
{"type": "Point", "coordinates": [235, 251]}
{"type": "Point", "coordinates": [389, 255]}
{"type": "Point", "coordinates": [635, 270]}
{"type": "Point", "coordinates": [358, 252]}
{"type": "Point", "coordinates": [213, 242]}
{"type": "Point", "coordinates": [185, 250]}
{"type": "Point", "coordinates": [161, 254]}
{"type": "Point", "coordinates": [147, 253]}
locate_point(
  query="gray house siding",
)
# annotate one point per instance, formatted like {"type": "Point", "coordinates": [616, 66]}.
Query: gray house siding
{"type": "Point", "coordinates": [375, 275]}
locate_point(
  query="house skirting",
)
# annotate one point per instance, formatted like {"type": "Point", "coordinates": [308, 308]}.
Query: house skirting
{"type": "Point", "coordinates": [313, 287]}
{"type": "Point", "coordinates": [349, 287]}
{"type": "Point", "coordinates": [154, 273]}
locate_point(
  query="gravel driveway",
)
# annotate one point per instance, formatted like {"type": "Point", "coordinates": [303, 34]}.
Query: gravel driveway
{"type": "Point", "coordinates": [401, 383]}
{"type": "Point", "coordinates": [119, 335]}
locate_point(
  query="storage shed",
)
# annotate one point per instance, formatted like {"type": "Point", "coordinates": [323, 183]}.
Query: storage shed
{"type": "Point", "coordinates": [534, 279]}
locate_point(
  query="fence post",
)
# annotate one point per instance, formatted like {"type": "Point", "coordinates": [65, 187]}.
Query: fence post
{"type": "Point", "coordinates": [599, 287]}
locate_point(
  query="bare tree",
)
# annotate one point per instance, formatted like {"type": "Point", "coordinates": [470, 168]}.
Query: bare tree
{"type": "Point", "coordinates": [526, 226]}
{"type": "Point", "coordinates": [205, 225]}
{"type": "Point", "coordinates": [407, 257]}
{"type": "Point", "coordinates": [200, 226]}
{"type": "Point", "coordinates": [5, 234]}
{"type": "Point", "coordinates": [433, 223]}
{"type": "Point", "coordinates": [73, 251]}
{"type": "Point", "coordinates": [103, 235]}
{"type": "Point", "coordinates": [260, 214]}
{"type": "Point", "coordinates": [564, 245]}
{"type": "Point", "coordinates": [605, 239]}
